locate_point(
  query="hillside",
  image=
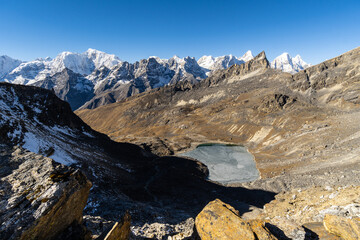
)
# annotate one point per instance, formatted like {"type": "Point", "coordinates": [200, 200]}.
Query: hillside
{"type": "Point", "coordinates": [301, 128]}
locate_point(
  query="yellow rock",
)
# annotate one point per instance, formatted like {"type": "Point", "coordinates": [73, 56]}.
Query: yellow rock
{"type": "Point", "coordinates": [219, 220]}
{"type": "Point", "coordinates": [348, 229]}
{"type": "Point", "coordinates": [319, 229]}
{"type": "Point", "coordinates": [261, 232]}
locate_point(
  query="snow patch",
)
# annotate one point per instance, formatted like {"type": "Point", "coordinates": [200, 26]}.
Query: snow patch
{"type": "Point", "coordinates": [36, 145]}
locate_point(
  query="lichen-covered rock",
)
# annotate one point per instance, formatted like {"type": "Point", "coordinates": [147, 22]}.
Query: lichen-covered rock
{"type": "Point", "coordinates": [260, 230]}
{"type": "Point", "coordinates": [219, 220]}
{"type": "Point", "coordinates": [346, 228]}
{"type": "Point", "coordinates": [318, 231]}
{"type": "Point", "coordinates": [311, 205]}
{"type": "Point", "coordinates": [182, 230]}
{"type": "Point", "coordinates": [40, 199]}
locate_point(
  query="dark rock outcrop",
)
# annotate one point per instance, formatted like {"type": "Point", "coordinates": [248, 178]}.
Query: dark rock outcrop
{"type": "Point", "coordinates": [69, 86]}
{"type": "Point", "coordinates": [40, 199]}
{"type": "Point", "coordinates": [119, 231]}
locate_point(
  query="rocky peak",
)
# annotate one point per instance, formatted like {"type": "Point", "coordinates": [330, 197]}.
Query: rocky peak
{"type": "Point", "coordinates": [258, 62]}
{"type": "Point", "coordinates": [177, 59]}
{"type": "Point", "coordinates": [69, 86]}
{"type": "Point", "coordinates": [211, 64]}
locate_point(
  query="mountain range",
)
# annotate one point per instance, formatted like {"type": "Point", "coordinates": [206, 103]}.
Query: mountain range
{"type": "Point", "coordinates": [94, 78]}
{"type": "Point", "coordinates": [61, 177]}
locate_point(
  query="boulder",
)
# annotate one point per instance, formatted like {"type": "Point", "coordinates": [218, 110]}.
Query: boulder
{"type": "Point", "coordinates": [318, 231]}
{"type": "Point", "coordinates": [219, 220]}
{"type": "Point", "coordinates": [286, 228]}
{"type": "Point", "coordinates": [260, 230]}
{"type": "Point", "coordinates": [346, 228]}
{"type": "Point", "coordinates": [40, 199]}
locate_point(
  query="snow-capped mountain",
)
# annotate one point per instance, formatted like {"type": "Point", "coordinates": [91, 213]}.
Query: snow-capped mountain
{"type": "Point", "coordinates": [95, 78]}
{"type": "Point", "coordinates": [286, 63]}
{"type": "Point", "coordinates": [7, 64]}
{"type": "Point", "coordinates": [127, 79]}
{"type": "Point", "coordinates": [189, 65]}
{"type": "Point", "coordinates": [39, 69]}
{"type": "Point", "coordinates": [210, 63]}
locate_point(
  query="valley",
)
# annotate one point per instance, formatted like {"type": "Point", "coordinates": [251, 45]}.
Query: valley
{"type": "Point", "coordinates": [179, 120]}
{"type": "Point", "coordinates": [295, 125]}
{"type": "Point", "coordinates": [142, 154]}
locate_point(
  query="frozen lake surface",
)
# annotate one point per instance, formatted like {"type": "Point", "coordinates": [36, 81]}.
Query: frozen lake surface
{"type": "Point", "coordinates": [226, 163]}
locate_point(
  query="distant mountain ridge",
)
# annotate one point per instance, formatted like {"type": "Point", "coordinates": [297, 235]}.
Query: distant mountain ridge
{"type": "Point", "coordinates": [210, 63]}
{"type": "Point", "coordinates": [95, 78]}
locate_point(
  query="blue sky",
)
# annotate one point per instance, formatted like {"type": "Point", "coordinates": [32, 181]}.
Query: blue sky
{"type": "Point", "coordinates": [316, 29]}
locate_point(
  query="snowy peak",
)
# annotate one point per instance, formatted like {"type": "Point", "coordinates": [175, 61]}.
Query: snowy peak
{"type": "Point", "coordinates": [101, 59]}
{"type": "Point", "coordinates": [298, 61]}
{"type": "Point", "coordinates": [206, 61]}
{"type": "Point", "coordinates": [177, 59]}
{"type": "Point", "coordinates": [247, 56]}
{"type": "Point", "coordinates": [286, 63]}
{"type": "Point", "coordinates": [7, 64]}
{"type": "Point", "coordinates": [82, 63]}
{"type": "Point", "coordinates": [210, 63]}
{"type": "Point", "coordinates": [79, 63]}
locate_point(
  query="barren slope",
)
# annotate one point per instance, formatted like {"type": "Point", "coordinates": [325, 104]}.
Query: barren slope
{"type": "Point", "coordinates": [299, 127]}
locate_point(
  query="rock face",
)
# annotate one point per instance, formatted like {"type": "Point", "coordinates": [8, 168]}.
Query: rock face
{"type": "Point", "coordinates": [347, 229]}
{"type": "Point", "coordinates": [40, 199]}
{"type": "Point", "coordinates": [69, 86]}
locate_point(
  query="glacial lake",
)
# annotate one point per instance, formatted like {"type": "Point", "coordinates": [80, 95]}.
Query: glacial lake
{"type": "Point", "coordinates": [226, 163]}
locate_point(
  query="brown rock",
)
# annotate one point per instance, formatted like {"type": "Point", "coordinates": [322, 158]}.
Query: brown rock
{"type": "Point", "coordinates": [348, 229]}
{"type": "Point", "coordinates": [120, 230]}
{"type": "Point", "coordinates": [320, 231]}
{"type": "Point", "coordinates": [219, 220]}
{"type": "Point", "coordinates": [286, 228]}
{"type": "Point", "coordinates": [260, 230]}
